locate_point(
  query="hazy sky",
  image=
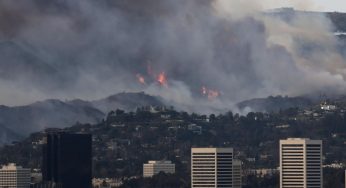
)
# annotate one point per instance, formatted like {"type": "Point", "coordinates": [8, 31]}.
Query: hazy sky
{"type": "Point", "coordinates": [320, 5]}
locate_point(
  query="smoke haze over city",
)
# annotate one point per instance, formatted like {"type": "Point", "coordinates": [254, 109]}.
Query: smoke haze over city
{"type": "Point", "coordinates": [199, 55]}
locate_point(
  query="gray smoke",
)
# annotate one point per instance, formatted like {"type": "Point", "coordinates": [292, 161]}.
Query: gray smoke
{"type": "Point", "coordinates": [92, 49]}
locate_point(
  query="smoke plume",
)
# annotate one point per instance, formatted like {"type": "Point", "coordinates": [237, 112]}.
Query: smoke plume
{"type": "Point", "coordinates": [201, 55]}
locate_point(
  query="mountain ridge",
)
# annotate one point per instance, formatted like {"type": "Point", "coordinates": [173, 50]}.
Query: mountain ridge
{"type": "Point", "coordinates": [54, 113]}
{"type": "Point", "coordinates": [276, 103]}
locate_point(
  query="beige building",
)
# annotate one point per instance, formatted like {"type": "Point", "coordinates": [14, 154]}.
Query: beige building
{"type": "Point", "coordinates": [12, 176]}
{"type": "Point", "coordinates": [237, 173]}
{"type": "Point", "coordinates": [214, 167]}
{"type": "Point", "coordinates": [301, 163]}
{"type": "Point", "coordinates": [155, 167]}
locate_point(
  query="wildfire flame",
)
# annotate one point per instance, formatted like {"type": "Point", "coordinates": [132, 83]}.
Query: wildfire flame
{"type": "Point", "coordinates": [210, 93]}
{"type": "Point", "coordinates": [141, 79]}
{"type": "Point", "coordinates": [162, 79]}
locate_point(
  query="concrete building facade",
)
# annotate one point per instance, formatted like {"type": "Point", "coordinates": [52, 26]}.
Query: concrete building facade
{"type": "Point", "coordinates": [301, 163]}
{"type": "Point", "coordinates": [154, 167]}
{"type": "Point", "coordinates": [12, 176]}
{"type": "Point", "coordinates": [237, 173]}
{"type": "Point", "coordinates": [67, 160]}
{"type": "Point", "coordinates": [214, 167]}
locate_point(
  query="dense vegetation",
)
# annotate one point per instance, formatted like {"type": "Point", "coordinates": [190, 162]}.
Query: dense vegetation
{"type": "Point", "coordinates": [123, 141]}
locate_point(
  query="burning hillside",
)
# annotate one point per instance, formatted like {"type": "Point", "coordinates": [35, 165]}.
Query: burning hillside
{"type": "Point", "coordinates": [199, 55]}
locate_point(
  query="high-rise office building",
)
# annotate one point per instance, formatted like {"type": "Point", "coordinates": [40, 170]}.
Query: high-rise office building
{"type": "Point", "coordinates": [13, 176]}
{"type": "Point", "coordinates": [301, 163]}
{"type": "Point", "coordinates": [155, 167]}
{"type": "Point", "coordinates": [213, 168]}
{"type": "Point", "coordinates": [67, 161]}
{"type": "Point", "coordinates": [237, 173]}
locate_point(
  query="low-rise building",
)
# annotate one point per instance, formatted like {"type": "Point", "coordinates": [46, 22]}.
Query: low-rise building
{"type": "Point", "coordinates": [106, 182]}
{"type": "Point", "coordinates": [262, 172]}
{"type": "Point", "coordinates": [195, 129]}
{"type": "Point", "coordinates": [155, 167]}
{"type": "Point", "coordinates": [328, 107]}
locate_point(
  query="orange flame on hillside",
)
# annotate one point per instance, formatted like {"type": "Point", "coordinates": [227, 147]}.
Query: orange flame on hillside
{"type": "Point", "coordinates": [162, 79]}
{"type": "Point", "coordinates": [140, 79]}
{"type": "Point", "coordinates": [211, 94]}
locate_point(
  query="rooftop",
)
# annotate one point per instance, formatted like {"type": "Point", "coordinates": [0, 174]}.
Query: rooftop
{"type": "Point", "coordinates": [11, 166]}
{"type": "Point", "coordinates": [159, 162]}
{"type": "Point", "coordinates": [298, 138]}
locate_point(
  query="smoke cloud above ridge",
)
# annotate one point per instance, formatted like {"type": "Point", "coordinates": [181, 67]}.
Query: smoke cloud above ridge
{"type": "Point", "coordinates": [201, 55]}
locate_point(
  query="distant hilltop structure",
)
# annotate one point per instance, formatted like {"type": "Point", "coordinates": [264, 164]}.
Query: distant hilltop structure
{"type": "Point", "coordinates": [328, 107]}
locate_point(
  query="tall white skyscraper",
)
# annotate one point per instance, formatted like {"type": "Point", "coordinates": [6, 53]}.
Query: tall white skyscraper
{"type": "Point", "coordinates": [155, 167]}
{"type": "Point", "coordinates": [301, 163]}
{"type": "Point", "coordinates": [13, 176]}
{"type": "Point", "coordinates": [213, 168]}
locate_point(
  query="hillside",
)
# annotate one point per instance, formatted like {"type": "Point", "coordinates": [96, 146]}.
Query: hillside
{"type": "Point", "coordinates": [339, 20]}
{"type": "Point", "coordinates": [275, 104]}
{"type": "Point", "coordinates": [24, 120]}
{"type": "Point", "coordinates": [127, 101]}
{"type": "Point", "coordinates": [86, 61]}
{"type": "Point", "coordinates": [124, 141]}
{"type": "Point", "coordinates": [20, 121]}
